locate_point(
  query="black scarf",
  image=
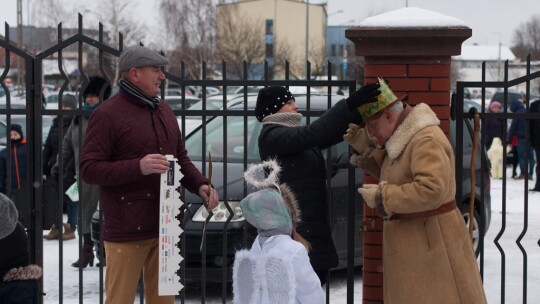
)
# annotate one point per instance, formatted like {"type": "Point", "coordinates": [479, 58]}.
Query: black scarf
{"type": "Point", "coordinates": [131, 90]}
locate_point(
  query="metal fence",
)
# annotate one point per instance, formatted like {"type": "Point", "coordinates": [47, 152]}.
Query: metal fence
{"type": "Point", "coordinates": [36, 204]}
{"type": "Point", "coordinates": [507, 93]}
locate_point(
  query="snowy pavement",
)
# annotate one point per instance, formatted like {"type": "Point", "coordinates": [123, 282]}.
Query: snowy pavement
{"type": "Point", "coordinates": [513, 258]}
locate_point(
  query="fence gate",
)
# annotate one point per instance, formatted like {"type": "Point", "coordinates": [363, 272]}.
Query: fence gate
{"type": "Point", "coordinates": [503, 205]}
{"type": "Point", "coordinates": [41, 205]}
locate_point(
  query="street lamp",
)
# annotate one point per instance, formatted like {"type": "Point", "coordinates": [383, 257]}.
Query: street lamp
{"type": "Point", "coordinates": [307, 36]}
{"type": "Point", "coordinates": [499, 59]}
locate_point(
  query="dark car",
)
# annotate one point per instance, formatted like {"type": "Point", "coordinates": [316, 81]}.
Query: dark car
{"type": "Point", "coordinates": [227, 227]}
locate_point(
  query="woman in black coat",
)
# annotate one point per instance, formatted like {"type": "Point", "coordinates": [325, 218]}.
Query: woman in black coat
{"type": "Point", "coordinates": [298, 151]}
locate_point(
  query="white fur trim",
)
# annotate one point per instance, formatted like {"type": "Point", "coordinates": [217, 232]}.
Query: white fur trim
{"type": "Point", "coordinates": [254, 169]}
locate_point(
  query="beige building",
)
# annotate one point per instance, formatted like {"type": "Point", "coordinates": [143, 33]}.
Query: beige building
{"type": "Point", "coordinates": [284, 26]}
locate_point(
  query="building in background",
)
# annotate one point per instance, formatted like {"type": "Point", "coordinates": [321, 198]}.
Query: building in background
{"type": "Point", "coordinates": [469, 66]}
{"type": "Point", "coordinates": [289, 29]}
{"type": "Point", "coordinates": [340, 52]}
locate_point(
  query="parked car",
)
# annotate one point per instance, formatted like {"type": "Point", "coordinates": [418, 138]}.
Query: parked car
{"type": "Point", "coordinates": [175, 101]}
{"type": "Point", "coordinates": [192, 122]}
{"type": "Point", "coordinates": [512, 95]}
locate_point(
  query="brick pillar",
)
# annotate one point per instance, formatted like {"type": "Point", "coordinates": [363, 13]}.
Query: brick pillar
{"type": "Point", "coordinates": [416, 60]}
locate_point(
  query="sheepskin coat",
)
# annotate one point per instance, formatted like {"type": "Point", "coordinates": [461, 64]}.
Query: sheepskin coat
{"type": "Point", "coordinates": [426, 259]}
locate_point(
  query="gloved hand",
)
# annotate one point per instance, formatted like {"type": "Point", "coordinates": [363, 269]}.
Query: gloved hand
{"type": "Point", "coordinates": [366, 94]}
{"type": "Point", "coordinates": [368, 192]}
{"type": "Point", "coordinates": [358, 138]}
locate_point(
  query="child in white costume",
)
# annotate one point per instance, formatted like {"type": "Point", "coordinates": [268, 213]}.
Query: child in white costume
{"type": "Point", "coordinates": [495, 155]}
{"type": "Point", "coordinates": [276, 269]}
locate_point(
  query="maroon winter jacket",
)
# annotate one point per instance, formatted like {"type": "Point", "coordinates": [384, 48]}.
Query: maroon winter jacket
{"type": "Point", "coordinates": [120, 133]}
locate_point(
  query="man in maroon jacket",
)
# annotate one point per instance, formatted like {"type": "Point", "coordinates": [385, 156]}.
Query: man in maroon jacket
{"type": "Point", "coordinates": [123, 153]}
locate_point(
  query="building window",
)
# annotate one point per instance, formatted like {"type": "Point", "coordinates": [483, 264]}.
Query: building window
{"type": "Point", "coordinates": [269, 50]}
{"type": "Point", "coordinates": [269, 27]}
{"type": "Point", "coordinates": [269, 38]}
{"type": "Point", "coordinates": [340, 50]}
{"type": "Point", "coordinates": [333, 51]}
{"type": "Point", "coordinates": [350, 50]}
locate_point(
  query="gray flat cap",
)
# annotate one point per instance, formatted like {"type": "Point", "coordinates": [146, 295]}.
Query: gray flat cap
{"type": "Point", "coordinates": [138, 56]}
{"type": "Point", "coordinates": [8, 216]}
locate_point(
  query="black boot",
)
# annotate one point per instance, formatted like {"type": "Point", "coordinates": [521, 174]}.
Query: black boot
{"type": "Point", "coordinates": [87, 257]}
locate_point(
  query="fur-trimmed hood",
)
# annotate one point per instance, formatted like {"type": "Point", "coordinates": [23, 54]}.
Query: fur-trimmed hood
{"type": "Point", "coordinates": [30, 272]}
{"type": "Point", "coordinates": [419, 118]}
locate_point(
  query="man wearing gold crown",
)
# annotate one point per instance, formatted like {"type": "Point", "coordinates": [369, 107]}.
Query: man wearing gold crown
{"type": "Point", "coordinates": [427, 253]}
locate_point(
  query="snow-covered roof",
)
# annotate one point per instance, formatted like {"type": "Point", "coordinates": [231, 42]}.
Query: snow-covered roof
{"type": "Point", "coordinates": [412, 17]}
{"type": "Point", "coordinates": [485, 53]}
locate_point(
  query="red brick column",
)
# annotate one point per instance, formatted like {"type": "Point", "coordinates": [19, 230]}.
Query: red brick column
{"type": "Point", "coordinates": [416, 61]}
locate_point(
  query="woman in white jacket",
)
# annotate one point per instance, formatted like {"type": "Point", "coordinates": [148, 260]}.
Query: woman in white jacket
{"type": "Point", "coordinates": [276, 269]}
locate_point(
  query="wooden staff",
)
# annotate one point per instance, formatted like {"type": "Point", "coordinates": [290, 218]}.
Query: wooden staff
{"type": "Point", "coordinates": [476, 132]}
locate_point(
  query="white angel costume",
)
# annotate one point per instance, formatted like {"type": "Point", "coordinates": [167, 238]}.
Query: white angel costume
{"type": "Point", "coordinates": [276, 269]}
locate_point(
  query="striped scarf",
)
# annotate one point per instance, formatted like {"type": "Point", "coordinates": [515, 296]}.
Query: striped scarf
{"type": "Point", "coordinates": [131, 90]}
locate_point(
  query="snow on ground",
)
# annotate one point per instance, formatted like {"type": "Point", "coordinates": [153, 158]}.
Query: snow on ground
{"type": "Point", "coordinates": [510, 226]}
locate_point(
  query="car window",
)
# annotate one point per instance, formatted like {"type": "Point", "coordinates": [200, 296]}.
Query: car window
{"type": "Point", "coordinates": [235, 139]}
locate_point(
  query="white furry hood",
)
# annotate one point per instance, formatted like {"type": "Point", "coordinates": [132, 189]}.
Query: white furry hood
{"type": "Point", "coordinates": [419, 118]}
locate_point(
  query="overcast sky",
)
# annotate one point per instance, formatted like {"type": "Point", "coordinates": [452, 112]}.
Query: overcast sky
{"type": "Point", "coordinates": [490, 20]}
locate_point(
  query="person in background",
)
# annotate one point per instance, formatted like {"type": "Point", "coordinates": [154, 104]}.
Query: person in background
{"type": "Point", "coordinates": [493, 126]}
{"type": "Point", "coordinates": [279, 254]}
{"type": "Point", "coordinates": [124, 153]}
{"type": "Point", "coordinates": [512, 148]}
{"type": "Point", "coordinates": [534, 133]}
{"type": "Point", "coordinates": [297, 148]}
{"type": "Point", "coordinates": [71, 146]}
{"type": "Point", "coordinates": [427, 252]}
{"type": "Point", "coordinates": [18, 162]}
{"type": "Point", "coordinates": [18, 279]}
{"type": "Point", "coordinates": [517, 128]}
{"type": "Point", "coordinates": [50, 153]}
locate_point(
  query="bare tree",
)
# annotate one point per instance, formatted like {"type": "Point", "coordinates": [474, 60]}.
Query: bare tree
{"type": "Point", "coordinates": [239, 40]}
{"type": "Point", "coordinates": [190, 33]}
{"type": "Point", "coordinates": [319, 61]}
{"type": "Point", "coordinates": [527, 39]}
{"type": "Point", "coordinates": [52, 12]}
{"type": "Point", "coordinates": [285, 53]}
{"type": "Point", "coordinates": [456, 74]}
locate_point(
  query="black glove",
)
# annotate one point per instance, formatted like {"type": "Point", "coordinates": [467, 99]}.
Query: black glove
{"type": "Point", "coordinates": [366, 94]}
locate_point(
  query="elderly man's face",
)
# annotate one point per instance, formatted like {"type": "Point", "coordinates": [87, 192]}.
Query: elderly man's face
{"type": "Point", "coordinates": [382, 127]}
{"type": "Point", "coordinates": [148, 79]}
